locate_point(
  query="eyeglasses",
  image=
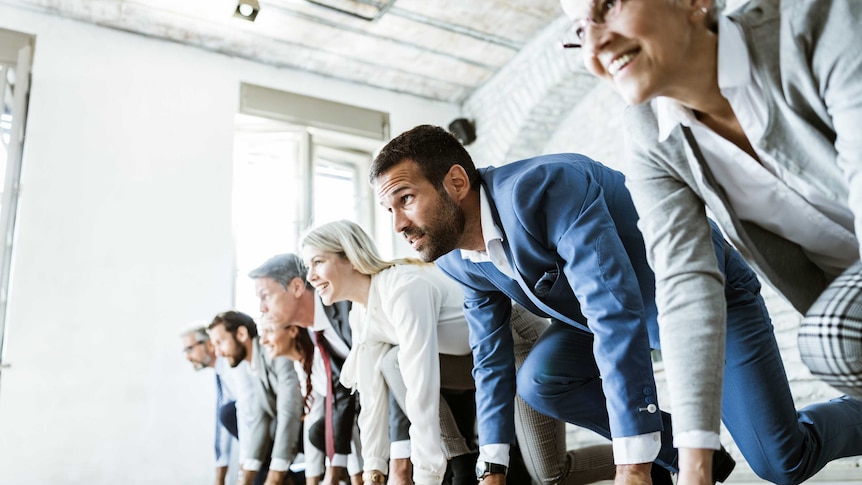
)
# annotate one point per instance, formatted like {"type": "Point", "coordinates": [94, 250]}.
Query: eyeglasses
{"type": "Point", "coordinates": [269, 330]}
{"type": "Point", "coordinates": [601, 12]}
{"type": "Point", "coordinates": [191, 347]}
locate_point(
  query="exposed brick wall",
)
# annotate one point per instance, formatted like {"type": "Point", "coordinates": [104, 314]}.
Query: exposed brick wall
{"type": "Point", "coordinates": [543, 102]}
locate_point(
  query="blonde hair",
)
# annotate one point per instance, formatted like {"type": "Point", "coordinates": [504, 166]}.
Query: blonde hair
{"type": "Point", "coordinates": [348, 239]}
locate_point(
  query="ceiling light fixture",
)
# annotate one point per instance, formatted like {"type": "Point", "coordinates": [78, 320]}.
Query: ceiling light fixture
{"type": "Point", "coordinates": [247, 10]}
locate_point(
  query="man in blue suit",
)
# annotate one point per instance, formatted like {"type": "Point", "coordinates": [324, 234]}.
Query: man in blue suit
{"type": "Point", "coordinates": [558, 234]}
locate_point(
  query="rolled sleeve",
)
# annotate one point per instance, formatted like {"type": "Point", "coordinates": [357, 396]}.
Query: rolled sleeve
{"type": "Point", "coordinates": [279, 465]}
{"type": "Point", "coordinates": [495, 453]}
{"type": "Point", "coordinates": [697, 439]}
{"type": "Point", "coordinates": [637, 449]}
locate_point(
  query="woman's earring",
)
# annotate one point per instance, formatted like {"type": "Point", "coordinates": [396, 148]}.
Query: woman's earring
{"type": "Point", "coordinates": [703, 10]}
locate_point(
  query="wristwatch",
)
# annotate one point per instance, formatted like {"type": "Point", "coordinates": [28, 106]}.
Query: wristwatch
{"type": "Point", "coordinates": [373, 476]}
{"type": "Point", "coordinates": [483, 469]}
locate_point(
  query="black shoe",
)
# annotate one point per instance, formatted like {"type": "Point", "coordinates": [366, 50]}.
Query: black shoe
{"type": "Point", "coordinates": [722, 465]}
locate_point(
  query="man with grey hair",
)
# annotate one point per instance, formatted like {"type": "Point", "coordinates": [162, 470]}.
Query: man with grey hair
{"type": "Point", "coordinates": [286, 298]}
{"type": "Point", "coordinates": [231, 408]}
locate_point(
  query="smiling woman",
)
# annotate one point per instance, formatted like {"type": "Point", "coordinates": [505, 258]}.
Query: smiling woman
{"type": "Point", "coordinates": [754, 116]}
{"type": "Point", "coordinates": [294, 343]}
{"type": "Point", "coordinates": [404, 305]}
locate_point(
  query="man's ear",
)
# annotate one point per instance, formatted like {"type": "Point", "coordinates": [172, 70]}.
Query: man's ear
{"type": "Point", "coordinates": [456, 182]}
{"type": "Point", "coordinates": [296, 287]}
{"type": "Point", "coordinates": [242, 335]}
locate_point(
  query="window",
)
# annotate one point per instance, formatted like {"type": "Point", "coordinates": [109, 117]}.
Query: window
{"type": "Point", "coordinates": [287, 178]}
{"type": "Point", "coordinates": [16, 51]}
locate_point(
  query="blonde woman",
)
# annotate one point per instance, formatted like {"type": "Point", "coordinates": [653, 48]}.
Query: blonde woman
{"type": "Point", "coordinates": [415, 307]}
{"type": "Point", "coordinates": [411, 305]}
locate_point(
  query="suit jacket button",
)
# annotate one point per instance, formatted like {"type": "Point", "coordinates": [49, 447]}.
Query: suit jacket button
{"type": "Point", "coordinates": [652, 408]}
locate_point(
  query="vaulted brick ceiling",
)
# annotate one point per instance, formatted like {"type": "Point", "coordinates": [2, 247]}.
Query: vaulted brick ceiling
{"type": "Point", "coordinates": [437, 49]}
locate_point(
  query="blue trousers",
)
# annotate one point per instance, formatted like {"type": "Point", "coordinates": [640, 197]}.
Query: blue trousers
{"type": "Point", "coordinates": [561, 379]}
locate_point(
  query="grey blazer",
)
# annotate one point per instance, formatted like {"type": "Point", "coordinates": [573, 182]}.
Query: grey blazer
{"type": "Point", "coordinates": [279, 399]}
{"type": "Point", "coordinates": [806, 52]}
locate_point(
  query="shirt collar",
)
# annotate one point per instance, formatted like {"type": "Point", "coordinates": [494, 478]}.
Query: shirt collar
{"type": "Point", "coordinates": [320, 321]}
{"type": "Point", "coordinates": [490, 232]}
{"type": "Point", "coordinates": [734, 71]}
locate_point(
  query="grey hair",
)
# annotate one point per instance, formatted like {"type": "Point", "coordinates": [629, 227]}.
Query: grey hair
{"type": "Point", "coordinates": [282, 268]}
{"type": "Point", "coordinates": [199, 332]}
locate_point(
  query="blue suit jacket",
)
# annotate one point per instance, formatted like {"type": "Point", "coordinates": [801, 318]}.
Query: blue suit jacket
{"type": "Point", "coordinates": [569, 229]}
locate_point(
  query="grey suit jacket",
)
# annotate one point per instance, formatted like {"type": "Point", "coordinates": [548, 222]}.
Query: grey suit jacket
{"type": "Point", "coordinates": [279, 399]}
{"type": "Point", "coordinates": [806, 53]}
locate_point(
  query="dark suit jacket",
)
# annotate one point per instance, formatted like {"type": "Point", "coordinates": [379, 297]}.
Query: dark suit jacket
{"type": "Point", "coordinates": [344, 403]}
{"type": "Point", "coordinates": [570, 231]}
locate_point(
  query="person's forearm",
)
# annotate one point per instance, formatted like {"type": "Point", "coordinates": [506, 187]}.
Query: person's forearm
{"type": "Point", "coordinates": [274, 477]}
{"type": "Point", "coordinates": [695, 466]}
{"type": "Point", "coordinates": [494, 479]}
{"type": "Point", "coordinates": [246, 477]}
{"type": "Point", "coordinates": [220, 475]}
{"type": "Point", "coordinates": [333, 475]}
{"type": "Point", "coordinates": [636, 474]}
{"type": "Point", "coordinates": [400, 471]}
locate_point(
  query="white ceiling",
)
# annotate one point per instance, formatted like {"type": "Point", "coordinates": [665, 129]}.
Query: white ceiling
{"type": "Point", "coordinates": [437, 49]}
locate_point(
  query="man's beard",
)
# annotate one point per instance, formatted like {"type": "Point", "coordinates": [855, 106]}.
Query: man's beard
{"type": "Point", "coordinates": [442, 233]}
{"type": "Point", "coordinates": [238, 355]}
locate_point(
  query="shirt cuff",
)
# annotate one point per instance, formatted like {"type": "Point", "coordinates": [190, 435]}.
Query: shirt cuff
{"type": "Point", "coordinates": [338, 460]}
{"type": "Point", "coordinates": [495, 453]}
{"type": "Point", "coordinates": [251, 465]}
{"type": "Point", "coordinates": [697, 439]}
{"type": "Point", "coordinates": [376, 464]}
{"type": "Point", "coordinates": [398, 450]}
{"type": "Point", "coordinates": [279, 465]}
{"type": "Point", "coordinates": [642, 448]}
{"type": "Point", "coordinates": [222, 461]}
{"type": "Point", "coordinates": [422, 476]}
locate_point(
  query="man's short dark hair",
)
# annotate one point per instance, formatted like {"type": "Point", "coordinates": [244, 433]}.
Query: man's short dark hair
{"type": "Point", "coordinates": [432, 148]}
{"type": "Point", "coordinates": [282, 268]}
{"type": "Point", "coordinates": [232, 320]}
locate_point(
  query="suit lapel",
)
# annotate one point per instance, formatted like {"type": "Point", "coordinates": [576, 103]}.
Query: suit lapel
{"type": "Point", "coordinates": [527, 289]}
{"type": "Point", "coordinates": [338, 316]}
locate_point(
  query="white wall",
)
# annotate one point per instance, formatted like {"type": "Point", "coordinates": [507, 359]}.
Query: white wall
{"type": "Point", "coordinates": [124, 236]}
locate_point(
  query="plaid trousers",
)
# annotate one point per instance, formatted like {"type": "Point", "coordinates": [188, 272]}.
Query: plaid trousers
{"type": "Point", "coordinates": [830, 336]}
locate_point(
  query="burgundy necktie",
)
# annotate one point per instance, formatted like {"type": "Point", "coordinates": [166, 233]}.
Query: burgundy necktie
{"type": "Point", "coordinates": [327, 364]}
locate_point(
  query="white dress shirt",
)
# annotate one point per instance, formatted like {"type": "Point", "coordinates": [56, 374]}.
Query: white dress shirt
{"type": "Point", "coordinates": [764, 192]}
{"type": "Point", "coordinates": [239, 381]}
{"type": "Point", "coordinates": [420, 309]}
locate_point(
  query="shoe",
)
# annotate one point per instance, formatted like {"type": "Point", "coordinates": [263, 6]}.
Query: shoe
{"type": "Point", "coordinates": [722, 465]}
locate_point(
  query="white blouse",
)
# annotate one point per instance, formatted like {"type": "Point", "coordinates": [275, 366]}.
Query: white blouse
{"type": "Point", "coordinates": [420, 309]}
